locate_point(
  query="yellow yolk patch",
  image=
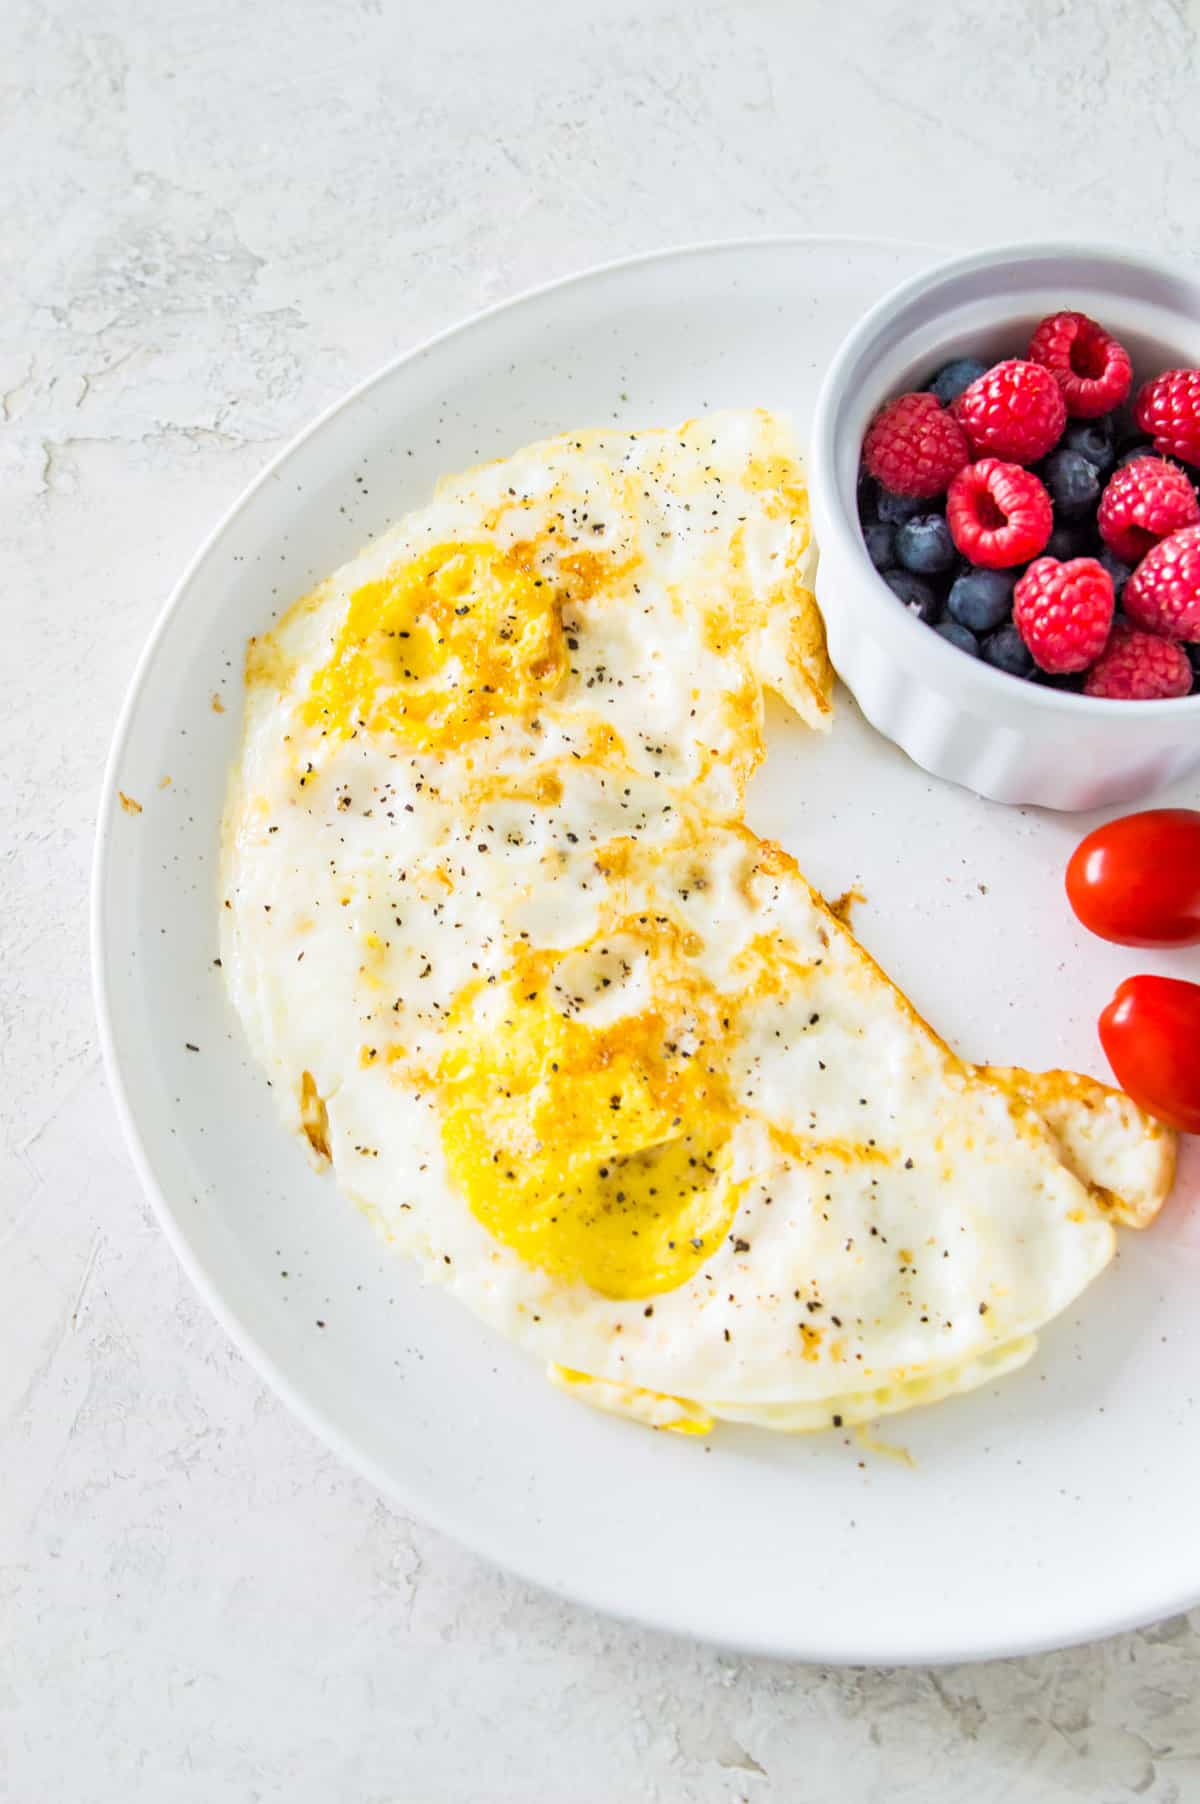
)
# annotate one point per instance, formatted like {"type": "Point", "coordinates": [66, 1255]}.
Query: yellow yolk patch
{"type": "Point", "coordinates": [439, 646]}
{"type": "Point", "coordinates": [598, 1154]}
{"type": "Point", "coordinates": [314, 1116]}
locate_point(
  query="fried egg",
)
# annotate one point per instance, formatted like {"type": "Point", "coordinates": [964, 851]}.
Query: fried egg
{"type": "Point", "coordinates": [574, 1038]}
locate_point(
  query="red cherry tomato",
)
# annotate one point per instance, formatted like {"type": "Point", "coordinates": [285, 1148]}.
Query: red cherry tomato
{"type": "Point", "coordinates": [1151, 1033]}
{"type": "Point", "coordinates": [1137, 881]}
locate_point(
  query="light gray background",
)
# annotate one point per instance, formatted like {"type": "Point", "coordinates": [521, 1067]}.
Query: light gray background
{"type": "Point", "coordinates": [214, 217]}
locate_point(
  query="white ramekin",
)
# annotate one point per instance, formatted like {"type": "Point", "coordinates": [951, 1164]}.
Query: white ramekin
{"type": "Point", "coordinates": [954, 715]}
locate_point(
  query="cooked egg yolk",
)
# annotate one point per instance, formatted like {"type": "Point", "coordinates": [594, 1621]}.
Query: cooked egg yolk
{"type": "Point", "coordinates": [438, 647]}
{"type": "Point", "coordinates": [596, 1153]}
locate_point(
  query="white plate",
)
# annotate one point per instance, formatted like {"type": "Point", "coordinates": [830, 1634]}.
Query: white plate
{"type": "Point", "coordinates": [1058, 1506]}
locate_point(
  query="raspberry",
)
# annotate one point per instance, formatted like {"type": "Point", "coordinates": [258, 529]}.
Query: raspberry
{"type": "Point", "coordinates": [1091, 368]}
{"type": "Point", "coordinates": [999, 514]}
{"type": "Point", "coordinates": [1015, 411]}
{"type": "Point", "coordinates": [1168, 408]}
{"type": "Point", "coordinates": [1139, 667]}
{"type": "Point", "coordinates": [914, 446]}
{"type": "Point", "coordinates": [1163, 594]}
{"type": "Point", "coordinates": [1143, 502]}
{"type": "Point", "coordinates": [1064, 612]}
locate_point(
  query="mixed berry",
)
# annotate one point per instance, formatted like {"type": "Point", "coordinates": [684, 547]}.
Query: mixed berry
{"type": "Point", "coordinates": [1035, 519]}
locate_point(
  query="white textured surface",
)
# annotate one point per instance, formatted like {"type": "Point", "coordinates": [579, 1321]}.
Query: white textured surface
{"type": "Point", "coordinates": [215, 218]}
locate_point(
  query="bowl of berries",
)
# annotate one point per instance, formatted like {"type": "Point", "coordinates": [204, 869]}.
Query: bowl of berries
{"type": "Point", "coordinates": [1005, 461]}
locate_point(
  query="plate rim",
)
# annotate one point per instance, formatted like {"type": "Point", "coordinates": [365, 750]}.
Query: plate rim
{"type": "Point", "coordinates": [314, 1417]}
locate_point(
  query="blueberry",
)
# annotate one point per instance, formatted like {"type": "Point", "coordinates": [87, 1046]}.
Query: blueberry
{"type": "Point", "coordinates": [957, 635]}
{"type": "Point", "coordinates": [953, 377]}
{"type": "Point", "coordinates": [1142, 449]}
{"type": "Point", "coordinates": [894, 510]}
{"type": "Point", "coordinates": [1092, 439]}
{"type": "Point", "coordinates": [924, 545]}
{"type": "Point", "coordinates": [1073, 482]}
{"type": "Point", "coordinates": [1070, 538]}
{"type": "Point", "coordinates": [916, 595]}
{"type": "Point", "coordinates": [1193, 652]}
{"type": "Point", "coordinates": [1072, 680]}
{"type": "Point", "coordinates": [867, 491]}
{"type": "Point", "coordinates": [1119, 572]}
{"type": "Point", "coordinates": [880, 541]}
{"type": "Point", "coordinates": [1125, 427]}
{"type": "Point", "coordinates": [1006, 650]}
{"type": "Point", "coordinates": [981, 599]}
